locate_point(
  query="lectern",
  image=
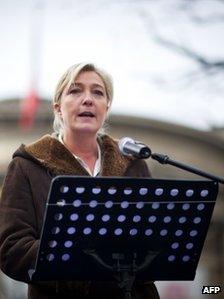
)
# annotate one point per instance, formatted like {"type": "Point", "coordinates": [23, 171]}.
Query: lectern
{"type": "Point", "coordinates": [106, 228]}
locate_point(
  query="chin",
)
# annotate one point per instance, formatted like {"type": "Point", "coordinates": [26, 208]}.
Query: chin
{"type": "Point", "coordinates": [87, 130]}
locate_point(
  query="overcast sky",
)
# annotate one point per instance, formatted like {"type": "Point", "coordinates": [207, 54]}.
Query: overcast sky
{"type": "Point", "coordinates": [46, 37]}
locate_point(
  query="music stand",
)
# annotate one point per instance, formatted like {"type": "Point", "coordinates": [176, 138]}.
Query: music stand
{"type": "Point", "coordinates": [124, 228]}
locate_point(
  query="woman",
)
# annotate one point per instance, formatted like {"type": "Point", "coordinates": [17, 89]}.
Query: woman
{"type": "Point", "coordinates": [82, 99]}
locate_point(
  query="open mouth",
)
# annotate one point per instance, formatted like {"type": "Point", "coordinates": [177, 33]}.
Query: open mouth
{"type": "Point", "coordinates": [86, 114]}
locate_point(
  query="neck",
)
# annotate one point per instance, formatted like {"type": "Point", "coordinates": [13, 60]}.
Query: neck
{"type": "Point", "coordinates": [84, 145]}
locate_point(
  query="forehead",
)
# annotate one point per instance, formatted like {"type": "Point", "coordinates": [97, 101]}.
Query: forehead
{"type": "Point", "coordinates": [89, 78]}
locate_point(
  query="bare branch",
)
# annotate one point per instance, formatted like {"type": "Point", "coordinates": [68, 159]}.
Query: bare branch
{"type": "Point", "coordinates": [202, 61]}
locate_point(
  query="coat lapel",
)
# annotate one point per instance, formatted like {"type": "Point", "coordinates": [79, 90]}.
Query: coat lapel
{"type": "Point", "coordinates": [113, 163]}
{"type": "Point", "coordinates": [52, 154]}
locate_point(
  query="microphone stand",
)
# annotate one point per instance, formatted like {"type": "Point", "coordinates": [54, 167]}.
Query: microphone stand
{"type": "Point", "coordinates": [164, 159]}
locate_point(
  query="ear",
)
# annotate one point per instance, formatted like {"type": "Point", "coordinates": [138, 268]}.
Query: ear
{"type": "Point", "coordinates": [57, 108]}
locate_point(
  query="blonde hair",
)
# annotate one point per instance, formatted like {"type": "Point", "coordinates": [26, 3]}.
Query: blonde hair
{"type": "Point", "coordinates": [68, 78]}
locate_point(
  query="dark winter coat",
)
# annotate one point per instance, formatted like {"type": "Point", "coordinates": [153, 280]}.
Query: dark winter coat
{"type": "Point", "coordinates": [22, 208]}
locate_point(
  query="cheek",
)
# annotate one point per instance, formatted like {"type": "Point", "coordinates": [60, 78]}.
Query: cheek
{"type": "Point", "coordinates": [68, 107]}
{"type": "Point", "coordinates": [104, 111]}
{"type": "Point", "coordinates": [104, 107]}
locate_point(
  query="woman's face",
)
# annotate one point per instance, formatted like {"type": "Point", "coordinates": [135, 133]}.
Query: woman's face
{"type": "Point", "coordinates": [84, 105]}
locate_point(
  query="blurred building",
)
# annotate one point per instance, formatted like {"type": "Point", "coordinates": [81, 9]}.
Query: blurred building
{"type": "Point", "coordinates": [204, 150]}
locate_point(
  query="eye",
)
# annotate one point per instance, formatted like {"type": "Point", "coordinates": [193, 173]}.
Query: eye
{"type": "Point", "coordinates": [98, 92]}
{"type": "Point", "coordinates": [75, 91]}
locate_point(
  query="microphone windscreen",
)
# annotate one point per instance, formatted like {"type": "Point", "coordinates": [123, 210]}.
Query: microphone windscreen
{"type": "Point", "coordinates": [122, 142]}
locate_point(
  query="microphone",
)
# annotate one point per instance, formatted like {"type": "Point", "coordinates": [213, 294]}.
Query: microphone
{"type": "Point", "coordinates": [128, 146]}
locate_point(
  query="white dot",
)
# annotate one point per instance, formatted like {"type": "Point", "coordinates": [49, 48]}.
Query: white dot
{"type": "Point", "coordinates": [118, 231]}
{"type": "Point", "coordinates": [121, 218]}
{"type": "Point", "coordinates": [155, 205]}
{"type": "Point", "coordinates": [136, 218]}
{"type": "Point", "coordinates": [112, 190]}
{"type": "Point", "coordinates": [87, 231]}
{"type": "Point", "coordinates": [80, 190]}
{"type": "Point", "coordinates": [182, 219]}
{"type": "Point", "coordinates": [204, 193]}
{"type": "Point", "coordinates": [189, 246]}
{"type": "Point", "coordinates": [148, 232]}
{"type": "Point", "coordinates": [152, 219]}
{"type": "Point", "coordinates": [68, 244]}
{"type": "Point", "coordinates": [102, 231]}
{"type": "Point", "coordinates": [109, 204]}
{"type": "Point", "coordinates": [55, 230]}
{"type": "Point", "coordinates": [186, 206]}
{"type": "Point", "coordinates": [74, 217]}
{"type": "Point", "coordinates": [125, 204]}
{"type": "Point", "coordinates": [133, 232]}
{"type": "Point", "coordinates": [175, 245]}
{"type": "Point", "coordinates": [93, 203]}
{"type": "Point", "coordinates": [127, 191]}
{"type": "Point", "coordinates": [50, 257]}
{"type": "Point", "coordinates": [163, 232]}
{"type": "Point", "coordinates": [143, 191]}
{"type": "Point", "coordinates": [174, 192]}
{"type": "Point", "coordinates": [96, 190]}
{"type": "Point", "coordinates": [197, 220]}
{"type": "Point", "coordinates": [105, 218]}
{"type": "Point", "coordinates": [52, 244]}
{"type": "Point", "coordinates": [200, 206]}
{"type": "Point", "coordinates": [90, 217]}
{"type": "Point", "coordinates": [186, 258]}
{"type": "Point", "coordinates": [61, 203]}
{"type": "Point", "coordinates": [64, 189]}
{"type": "Point", "coordinates": [140, 205]}
{"type": "Point", "coordinates": [193, 233]}
{"type": "Point", "coordinates": [159, 191]}
{"type": "Point", "coordinates": [58, 216]}
{"type": "Point", "coordinates": [179, 233]}
{"type": "Point", "coordinates": [71, 230]}
{"type": "Point", "coordinates": [167, 219]}
{"type": "Point", "coordinates": [65, 257]}
{"type": "Point", "coordinates": [170, 206]}
{"type": "Point", "coordinates": [77, 203]}
{"type": "Point", "coordinates": [171, 258]}
{"type": "Point", "coordinates": [189, 193]}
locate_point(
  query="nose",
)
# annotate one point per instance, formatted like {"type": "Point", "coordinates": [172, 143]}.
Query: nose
{"type": "Point", "coordinates": [87, 100]}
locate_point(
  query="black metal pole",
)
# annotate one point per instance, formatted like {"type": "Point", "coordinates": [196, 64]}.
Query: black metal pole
{"type": "Point", "coordinates": [164, 159]}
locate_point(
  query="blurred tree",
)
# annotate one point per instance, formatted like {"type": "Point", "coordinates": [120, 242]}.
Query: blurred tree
{"type": "Point", "coordinates": [181, 25]}
{"type": "Point", "coordinates": [192, 30]}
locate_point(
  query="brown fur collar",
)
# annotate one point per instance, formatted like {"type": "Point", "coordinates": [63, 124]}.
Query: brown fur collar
{"type": "Point", "coordinates": [52, 154]}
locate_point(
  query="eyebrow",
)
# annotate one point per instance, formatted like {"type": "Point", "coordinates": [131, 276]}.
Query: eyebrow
{"type": "Point", "coordinates": [80, 84]}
